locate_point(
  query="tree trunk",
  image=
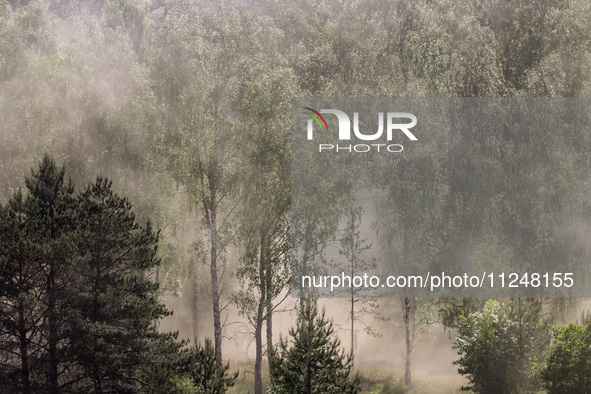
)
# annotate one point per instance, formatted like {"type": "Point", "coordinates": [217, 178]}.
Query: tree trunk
{"type": "Point", "coordinates": [215, 294]}
{"type": "Point", "coordinates": [352, 330]}
{"type": "Point", "coordinates": [409, 312]}
{"type": "Point", "coordinates": [258, 362]}
{"type": "Point", "coordinates": [352, 291]}
{"type": "Point", "coordinates": [308, 379]}
{"type": "Point", "coordinates": [211, 211]}
{"type": "Point", "coordinates": [96, 376]}
{"type": "Point", "coordinates": [258, 380]}
{"type": "Point", "coordinates": [195, 307]}
{"type": "Point", "coordinates": [26, 383]}
{"type": "Point", "coordinates": [269, 320]}
{"type": "Point", "coordinates": [157, 321]}
{"type": "Point", "coordinates": [52, 334]}
{"type": "Point", "coordinates": [96, 370]}
{"type": "Point", "coordinates": [270, 348]}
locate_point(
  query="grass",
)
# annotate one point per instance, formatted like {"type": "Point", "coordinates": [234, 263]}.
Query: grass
{"type": "Point", "coordinates": [373, 381]}
{"type": "Point", "coordinates": [382, 381]}
{"type": "Point", "coordinates": [244, 384]}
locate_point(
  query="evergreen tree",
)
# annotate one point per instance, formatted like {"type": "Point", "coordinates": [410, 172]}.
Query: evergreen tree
{"type": "Point", "coordinates": [205, 375]}
{"type": "Point", "coordinates": [315, 362]}
{"type": "Point", "coordinates": [21, 308]}
{"type": "Point", "coordinates": [115, 309]}
{"type": "Point", "coordinates": [36, 255]}
{"type": "Point", "coordinates": [75, 313]}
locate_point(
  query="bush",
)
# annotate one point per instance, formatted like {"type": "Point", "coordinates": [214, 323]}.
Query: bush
{"type": "Point", "coordinates": [204, 373]}
{"type": "Point", "coordinates": [499, 346]}
{"type": "Point", "coordinates": [568, 366]}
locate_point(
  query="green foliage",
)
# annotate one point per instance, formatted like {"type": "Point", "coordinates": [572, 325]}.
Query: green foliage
{"type": "Point", "coordinates": [499, 345]}
{"type": "Point", "coordinates": [568, 365]}
{"type": "Point", "coordinates": [314, 363]}
{"type": "Point", "coordinates": [78, 308]}
{"type": "Point", "coordinates": [115, 306]}
{"type": "Point", "coordinates": [133, 87]}
{"type": "Point", "coordinates": [451, 310]}
{"type": "Point", "coordinates": [37, 257]}
{"type": "Point", "coordinates": [205, 375]}
{"type": "Point", "coordinates": [353, 249]}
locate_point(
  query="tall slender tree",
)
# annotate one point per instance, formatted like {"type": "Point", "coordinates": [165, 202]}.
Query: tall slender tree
{"type": "Point", "coordinates": [265, 224]}
{"type": "Point", "coordinates": [195, 135]}
{"type": "Point", "coordinates": [22, 309]}
{"type": "Point", "coordinates": [38, 252]}
{"type": "Point", "coordinates": [353, 248]}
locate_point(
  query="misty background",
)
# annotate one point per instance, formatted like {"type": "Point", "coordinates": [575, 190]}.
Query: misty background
{"type": "Point", "coordinates": [173, 100]}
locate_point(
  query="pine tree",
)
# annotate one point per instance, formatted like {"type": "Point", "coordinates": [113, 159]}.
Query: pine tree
{"type": "Point", "coordinates": [53, 212]}
{"type": "Point", "coordinates": [113, 331]}
{"type": "Point", "coordinates": [75, 313]}
{"type": "Point", "coordinates": [36, 254]}
{"type": "Point", "coordinates": [21, 308]}
{"type": "Point", "coordinates": [315, 363]}
{"type": "Point", "coordinates": [205, 375]}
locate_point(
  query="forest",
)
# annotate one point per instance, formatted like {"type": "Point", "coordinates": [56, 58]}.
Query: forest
{"type": "Point", "coordinates": [147, 195]}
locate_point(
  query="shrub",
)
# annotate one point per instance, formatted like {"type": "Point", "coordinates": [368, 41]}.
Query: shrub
{"type": "Point", "coordinates": [499, 345]}
{"type": "Point", "coordinates": [568, 366]}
